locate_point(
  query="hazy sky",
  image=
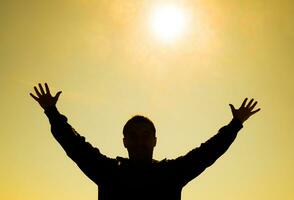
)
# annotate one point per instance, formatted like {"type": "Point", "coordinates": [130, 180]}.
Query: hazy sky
{"type": "Point", "coordinates": [110, 66]}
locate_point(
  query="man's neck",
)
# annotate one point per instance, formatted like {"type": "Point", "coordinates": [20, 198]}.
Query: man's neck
{"type": "Point", "coordinates": [140, 161]}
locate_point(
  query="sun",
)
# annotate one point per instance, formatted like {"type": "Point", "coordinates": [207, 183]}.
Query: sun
{"type": "Point", "coordinates": [168, 22]}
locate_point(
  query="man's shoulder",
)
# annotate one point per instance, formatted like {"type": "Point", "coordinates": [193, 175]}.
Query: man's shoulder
{"type": "Point", "coordinates": [125, 161]}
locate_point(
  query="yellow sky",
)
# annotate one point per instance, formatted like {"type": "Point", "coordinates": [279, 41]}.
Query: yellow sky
{"type": "Point", "coordinates": [103, 57]}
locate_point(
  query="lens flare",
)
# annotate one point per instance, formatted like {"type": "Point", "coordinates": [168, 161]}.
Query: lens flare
{"type": "Point", "coordinates": [168, 22]}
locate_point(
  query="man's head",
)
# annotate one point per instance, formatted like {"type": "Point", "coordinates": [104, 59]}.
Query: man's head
{"type": "Point", "coordinates": [139, 138]}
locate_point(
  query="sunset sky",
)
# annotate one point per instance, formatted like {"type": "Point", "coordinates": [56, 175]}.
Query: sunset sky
{"type": "Point", "coordinates": [111, 63]}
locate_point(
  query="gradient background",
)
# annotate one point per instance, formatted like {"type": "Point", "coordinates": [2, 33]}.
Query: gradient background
{"type": "Point", "coordinates": [103, 57]}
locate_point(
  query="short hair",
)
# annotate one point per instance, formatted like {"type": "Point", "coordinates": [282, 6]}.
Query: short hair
{"type": "Point", "coordinates": [136, 120]}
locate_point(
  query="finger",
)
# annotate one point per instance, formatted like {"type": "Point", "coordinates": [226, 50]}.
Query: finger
{"type": "Point", "coordinates": [249, 104]}
{"type": "Point", "coordinates": [47, 88]}
{"type": "Point", "coordinates": [251, 108]}
{"type": "Point", "coordinates": [255, 111]}
{"type": "Point", "coordinates": [232, 107]}
{"type": "Point", "coordinates": [41, 88]}
{"type": "Point", "coordinates": [37, 91]}
{"type": "Point", "coordinates": [57, 95]}
{"type": "Point", "coordinates": [244, 102]}
{"type": "Point", "coordinates": [34, 97]}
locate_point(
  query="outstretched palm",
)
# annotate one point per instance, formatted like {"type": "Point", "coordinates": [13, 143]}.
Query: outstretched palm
{"type": "Point", "coordinates": [245, 111]}
{"type": "Point", "coordinates": [44, 98]}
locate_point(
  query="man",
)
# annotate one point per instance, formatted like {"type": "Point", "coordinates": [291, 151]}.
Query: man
{"type": "Point", "coordinates": [139, 177]}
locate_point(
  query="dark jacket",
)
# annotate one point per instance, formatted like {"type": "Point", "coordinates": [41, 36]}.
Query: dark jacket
{"type": "Point", "coordinates": [120, 179]}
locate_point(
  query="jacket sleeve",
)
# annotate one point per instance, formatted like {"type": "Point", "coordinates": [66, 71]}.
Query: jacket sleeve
{"type": "Point", "coordinates": [89, 159]}
{"type": "Point", "coordinates": [186, 168]}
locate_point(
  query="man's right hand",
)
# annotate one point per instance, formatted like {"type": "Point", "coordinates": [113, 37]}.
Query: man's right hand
{"type": "Point", "coordinates": [44, 98]}
{"type": "Point", "coordinates": [245, 111]}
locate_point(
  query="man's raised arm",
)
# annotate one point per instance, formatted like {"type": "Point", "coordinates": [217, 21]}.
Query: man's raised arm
{"type": "Point", "coordinates": [196, 161]}
{"type": "Point", "coordinates": [88, 158]}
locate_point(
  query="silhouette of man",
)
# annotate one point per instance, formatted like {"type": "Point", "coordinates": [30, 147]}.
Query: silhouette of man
{"type": "Point", "coordinates": [139, 177]}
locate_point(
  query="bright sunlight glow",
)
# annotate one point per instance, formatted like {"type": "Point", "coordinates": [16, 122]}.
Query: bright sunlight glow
{"type": "Point", "coordinates": [168, 22]}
